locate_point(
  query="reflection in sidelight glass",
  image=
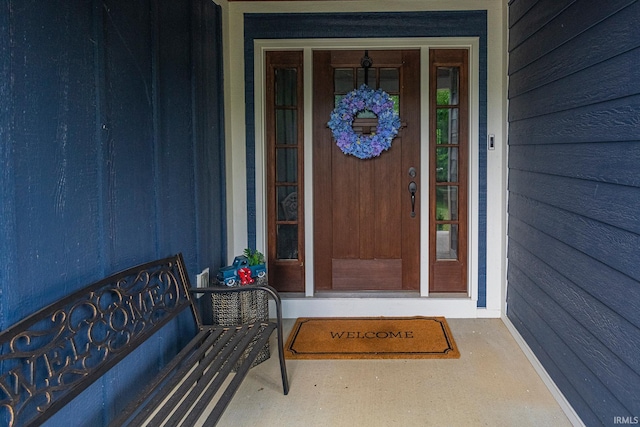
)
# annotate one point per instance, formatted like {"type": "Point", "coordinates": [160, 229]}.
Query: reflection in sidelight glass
{"type": "Point", "coordinates": [446, 164]}
{"type": "Point", "coordinates": [448, 83]}
{"type": "Point", "coordinates": [447, 203]}
{"type": "Point", "coordinates": [286, 127]}
{"type": "Point", "coordinates": [447, 241]}
{"type": "Point", "coordinates": [286, 165]}
{"type": "Point", "coordinates": [287, 241]}
{"type": "Point", "coordinates": [447, 126]}
{"type": "Point", "coordinates": [287, 198]}
{"type": "Point", "coordinates": [286, 84]}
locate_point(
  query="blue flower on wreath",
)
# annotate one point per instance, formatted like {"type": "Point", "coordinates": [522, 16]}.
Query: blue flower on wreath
{"type": "Point", "coordinates": [356, 101]}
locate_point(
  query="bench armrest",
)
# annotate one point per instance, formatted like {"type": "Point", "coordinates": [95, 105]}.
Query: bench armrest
{"type": "Point", "coordinates": [219, 289]}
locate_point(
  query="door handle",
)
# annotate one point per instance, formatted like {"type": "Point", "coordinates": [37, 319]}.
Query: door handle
{"type": "Point", "coordinates": [413, 187]}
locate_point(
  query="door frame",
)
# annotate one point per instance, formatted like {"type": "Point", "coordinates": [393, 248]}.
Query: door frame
{"type": "Point", "coordinates": [423, 44]}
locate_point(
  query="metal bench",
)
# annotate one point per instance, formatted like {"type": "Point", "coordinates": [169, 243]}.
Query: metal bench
{"type": "Point", "coordinates": [50, 357]}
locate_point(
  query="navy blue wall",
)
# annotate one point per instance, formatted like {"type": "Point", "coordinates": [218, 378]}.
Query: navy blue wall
{"type": "Point", "coordinates": [363, 25]}
{"type": "Point", "coordinates": [574, 193]}
{"type": "Point", "coordinates": [111, 155]}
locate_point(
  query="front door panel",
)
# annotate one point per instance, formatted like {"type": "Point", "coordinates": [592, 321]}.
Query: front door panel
{"type": "Point", "coordinates": [365, 235]}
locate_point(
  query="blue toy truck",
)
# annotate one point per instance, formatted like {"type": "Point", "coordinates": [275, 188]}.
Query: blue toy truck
{"type": "Point", "coordinates": [229, 275]}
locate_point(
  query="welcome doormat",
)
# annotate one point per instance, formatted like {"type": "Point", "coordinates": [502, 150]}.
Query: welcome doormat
{"type": "Point", "coordinates": [371, 338]}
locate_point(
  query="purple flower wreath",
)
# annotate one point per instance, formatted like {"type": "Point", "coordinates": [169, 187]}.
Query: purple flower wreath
{"type": "Point", "coordinates": [364, 99]}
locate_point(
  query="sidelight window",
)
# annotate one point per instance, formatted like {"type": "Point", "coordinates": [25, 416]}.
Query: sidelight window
{"type": "Point", "coordinates": [447, 162]}
{"type": "Point", "coordinates": [284, 130]}
{"type": "Point", "coordinates": [449, 105]}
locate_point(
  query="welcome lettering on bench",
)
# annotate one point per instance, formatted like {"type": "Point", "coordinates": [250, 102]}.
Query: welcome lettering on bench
{"type": "Point", "coordinates": [68, 342]}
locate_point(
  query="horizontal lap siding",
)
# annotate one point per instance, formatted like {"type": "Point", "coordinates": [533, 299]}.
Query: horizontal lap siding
{"type": "Point", "coordinates": [550, 159]}
{"type": "Point", "coordinates": [606, 81]}
{"type": "Point", "coordinates": [601, 122]}
{"type": "Point", "coordinates": [575, 351]}
{"type": "Point", "coordinates": [553, 350]}
{"type": "Point", "coordinates": [576, 29]}
{"type": "Point", "coordinates": [574, 197]}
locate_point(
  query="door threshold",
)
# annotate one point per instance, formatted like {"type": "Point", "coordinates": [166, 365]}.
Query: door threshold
{"type": "Point", "coordinates": [367, 294]}
{"type": "Point", "coordinates": [367, 304]}
{"type": "Point", "coordinates": [448, 295]}
{"type": "Point", "coordinates": [373, 294]}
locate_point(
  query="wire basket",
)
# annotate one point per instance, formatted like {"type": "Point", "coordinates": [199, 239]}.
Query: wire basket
{"type": "Point", "coordinates": [239, 308]}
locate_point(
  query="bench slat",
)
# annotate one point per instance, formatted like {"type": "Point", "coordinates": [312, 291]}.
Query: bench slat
{"type": "Point", "coordinates": [184, 361]}
{"type": "Point", "coordinates": [241, 373]}
{"type": "Point", "coordinates": [195, 383]}
{"type": "Point", "coordinates": [202, 394]}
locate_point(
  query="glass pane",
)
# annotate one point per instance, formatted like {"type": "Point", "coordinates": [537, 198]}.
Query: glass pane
{"type": "Point", "coordinates": [372, 77]}
{"type": "Point", "coordinates": [343, 80]}
{"type": "Point", "coordinates": [448, 83]}
{"type": "Point", "coordinates": [286, 84]}
{"type": "Point", "coordinates": [447, 241]}
{"type": "Point", "coordinates": [446, 203]}
{"type": "Point", "coordinates": [287, 241]}
{"type": "Point", "coordinates": [447, 164]}
{"type": "Point", "coordinates": [396, 103]}
{"type": "Point", "coordinates": [366, 114]}
{"type": "Point", "coordinates": [286, 127]}
{"type": "Point", "coordinates": [390, 80]}
{"type": "Point", "coordinates": [287, 203]}
{"type": "Point", "coordinates": [447, 126]}
{"type": "Point", "coordinates": [287, 165]}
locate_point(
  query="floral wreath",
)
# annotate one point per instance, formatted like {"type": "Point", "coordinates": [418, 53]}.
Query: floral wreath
{"type": "Point", "coordinates": [341, 122]}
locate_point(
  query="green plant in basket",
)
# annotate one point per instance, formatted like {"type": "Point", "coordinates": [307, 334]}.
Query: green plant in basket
{"type": "Point", "coordinates": [255, 257]}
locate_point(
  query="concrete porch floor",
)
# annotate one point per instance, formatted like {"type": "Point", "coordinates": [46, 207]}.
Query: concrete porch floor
{"type": "Point", "coordinates": [492, 384]}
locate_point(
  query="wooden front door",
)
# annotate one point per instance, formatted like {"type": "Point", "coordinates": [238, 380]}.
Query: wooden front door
{"type": "Point", "coordinates": [366, 225]}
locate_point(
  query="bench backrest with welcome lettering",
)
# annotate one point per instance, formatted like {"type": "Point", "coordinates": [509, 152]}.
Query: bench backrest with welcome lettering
{"type": "Point", "coordinates": [50, 357]}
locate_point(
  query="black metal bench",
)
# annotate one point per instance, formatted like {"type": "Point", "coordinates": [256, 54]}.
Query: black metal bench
{"type": "Point", "coordinates": [50, 357]}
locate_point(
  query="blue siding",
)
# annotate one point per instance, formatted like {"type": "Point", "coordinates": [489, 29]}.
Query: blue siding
{"type": "Point", "coordinates": [208, 130]}
{"type": "Point", "coordinates": [361, 25]}
{"type": "Point", "coordinates": [574, 192]}
{"type": "Point", "coordinates": [128, 144]}
{"type": "Point", "coordinates": [112, 154]}
{"type": "Point", "coordinates": [8, 236]}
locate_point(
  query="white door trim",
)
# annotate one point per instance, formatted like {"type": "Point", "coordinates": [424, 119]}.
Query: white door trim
{"type": "Point", "coordinates": [372, 305]}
